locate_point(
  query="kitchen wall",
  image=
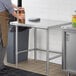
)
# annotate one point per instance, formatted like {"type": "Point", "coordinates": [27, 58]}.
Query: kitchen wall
{"type": "Point", "coordinates": [49, 9]}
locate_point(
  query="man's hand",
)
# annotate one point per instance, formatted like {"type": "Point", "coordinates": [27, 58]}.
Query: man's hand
{"type": "Point", "coordinates": [21, 13]}
{"type": "Point", "coordinates": [18, 16]}
{"type": "Point", "coordinates": [21, 16]}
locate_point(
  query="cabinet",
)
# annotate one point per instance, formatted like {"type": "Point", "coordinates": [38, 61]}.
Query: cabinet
{"type": "Point", "coordinates": [69, 49]}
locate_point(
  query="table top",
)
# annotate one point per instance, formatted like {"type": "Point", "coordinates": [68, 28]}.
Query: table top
{"type": "Point", "coordinates": [43, 23]}
{"type": "Point", "coordinates": [68, 27]}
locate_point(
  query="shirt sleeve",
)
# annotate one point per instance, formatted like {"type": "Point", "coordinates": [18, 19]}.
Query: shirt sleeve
{"type": "Point", "coordinates": [8, 6]}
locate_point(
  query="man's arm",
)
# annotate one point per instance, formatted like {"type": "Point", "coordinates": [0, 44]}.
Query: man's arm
{"type": "Point", "coordinates": [9, 6]}
{"type": "Point", "coordinates": [17, 16]}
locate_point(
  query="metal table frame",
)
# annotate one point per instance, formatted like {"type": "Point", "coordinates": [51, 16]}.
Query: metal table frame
{"type": "Point", "coordinates": [35, 46]}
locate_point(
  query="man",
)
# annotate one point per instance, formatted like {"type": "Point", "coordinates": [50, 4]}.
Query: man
{"type": "Point", "coordinates": [5, 7]}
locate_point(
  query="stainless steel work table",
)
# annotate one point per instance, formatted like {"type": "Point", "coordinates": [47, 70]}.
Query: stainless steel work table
{"type": "Point", "coordinates": [44, 24]}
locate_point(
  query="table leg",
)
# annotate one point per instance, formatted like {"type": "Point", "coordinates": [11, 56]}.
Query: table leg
{"type": "Point", "coordinates": [16, 49]}
{"type": "Point", "coordinates": [68, 74]}
{"type": "Point", "coordinates": [47, 54]}
{"type": "Point", "coordinates": [35, 43]}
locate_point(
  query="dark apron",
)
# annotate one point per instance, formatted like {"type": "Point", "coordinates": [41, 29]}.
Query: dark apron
{"type": "Point", "coordinates": [4, 27]}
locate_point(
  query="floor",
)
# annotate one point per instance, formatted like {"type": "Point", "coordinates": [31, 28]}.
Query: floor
{"type": "Point", "coordinates": [39, 67]}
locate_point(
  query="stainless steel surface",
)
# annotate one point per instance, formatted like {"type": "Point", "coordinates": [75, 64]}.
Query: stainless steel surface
{"type": "Point", "coordinates": [16, 46]}
{"type": "Point", "coordinates": [63, 50]}
{"type": "Point", "coordinates": [50, 51]}
{"type": "Point", "coordinates": [35, 43]}
{"type": "Point", "coordinates": [43, 24]}
{"type": "Point", "coordinates": [47, 54]}
{"type": "Point", "coordinates": [57, 56]}
{"type": "Point", "coordinates": [69, 49]}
